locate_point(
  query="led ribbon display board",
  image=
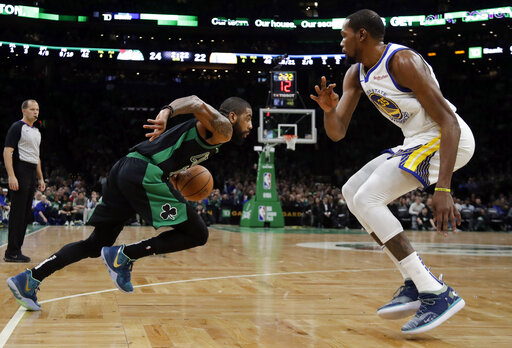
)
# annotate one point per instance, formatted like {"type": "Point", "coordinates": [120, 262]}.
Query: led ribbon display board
{"type": "Point", "coordinates": [426, 20]}
{"type": "Point", "coordinates": [440, 19]}
{"type": "Point", "coordinates": [255, 58]}
{"type": "Point", "coordinates": [37, 13]}
{"type": "Point", "coordinates": [161, 19]}
{"type": "Point", "coordinates": [71, 52]}
{"type": "Point", "coordinates": [8, 49]}
{"type": "Point", "coordinates": [396, 21]}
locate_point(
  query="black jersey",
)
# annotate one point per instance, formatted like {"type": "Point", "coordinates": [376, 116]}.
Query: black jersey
{"type": "Point", "coordinates": [177, 148]}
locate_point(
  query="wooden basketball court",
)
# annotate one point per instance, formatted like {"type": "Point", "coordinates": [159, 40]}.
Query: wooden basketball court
{"type": "Point", "coordinates": [259, 289]}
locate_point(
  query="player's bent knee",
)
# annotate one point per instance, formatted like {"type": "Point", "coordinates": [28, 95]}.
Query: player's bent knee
{"type": "Point", "coordinates": [388, 234]}
{"type": "Point", "coordinates": [93, 248]}
{"type": "Point", "coordinates": [94, 244]}
{"type": "Point", "coordinates": [361, 202]}
{"type": "Point", "coordinates": [196, 225]}
{"type": "Point", "coordinates": [202, 236]}
{"type": "Point", "coordinates": [348, 192]}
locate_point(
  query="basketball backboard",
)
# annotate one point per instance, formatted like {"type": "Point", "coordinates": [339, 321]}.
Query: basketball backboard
{"type": "Point", "coordinates": [275, 123]}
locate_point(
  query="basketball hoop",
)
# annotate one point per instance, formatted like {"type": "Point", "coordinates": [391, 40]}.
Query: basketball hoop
{"type": "Point", "coordinates": [290, 140]}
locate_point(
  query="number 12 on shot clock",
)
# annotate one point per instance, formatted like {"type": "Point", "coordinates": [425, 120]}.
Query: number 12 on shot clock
{"type": "Point", "coordinates": [284, 84]}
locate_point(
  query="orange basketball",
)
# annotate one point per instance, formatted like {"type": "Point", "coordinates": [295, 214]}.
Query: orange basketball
{"type": "Point", "coordinates": [195, 183]}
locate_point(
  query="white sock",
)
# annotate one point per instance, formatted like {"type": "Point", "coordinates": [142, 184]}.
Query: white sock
{"type": "Point", "coordinates": [395, 261]}
{"type": "Point", "coordinates": [420, 275]}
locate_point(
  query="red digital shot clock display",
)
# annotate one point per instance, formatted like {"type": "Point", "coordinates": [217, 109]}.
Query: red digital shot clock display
{"type": "Point", "coordinates": [284, 84]}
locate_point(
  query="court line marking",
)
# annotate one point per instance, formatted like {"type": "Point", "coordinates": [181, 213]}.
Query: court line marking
{"type": "Point", "coordinates": [30, 234]}
{"type": "Point", "coordinates": [11, 325]}
{"type": "Point", "coordinates": [214, 278]}
{"type": "Point", "coordinates": [452, 249]}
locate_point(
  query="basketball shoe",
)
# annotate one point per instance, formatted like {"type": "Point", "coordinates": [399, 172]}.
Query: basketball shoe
{"type": "Point", "coordinates": [16, 258]}
{"type": "Point", "coordinates": [119, 266]}
{"type": "Point", "coordinates": [435, 309]}
{"type": "Point", "coordinates": [24, 287]}
{"type": "Point", "coordinates": [403, 304]}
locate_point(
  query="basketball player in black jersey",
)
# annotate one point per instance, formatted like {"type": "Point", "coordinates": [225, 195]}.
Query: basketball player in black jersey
{"type": "Point", "coordinates": [139, 183]}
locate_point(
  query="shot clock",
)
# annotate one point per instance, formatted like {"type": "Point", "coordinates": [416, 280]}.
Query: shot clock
{"type": "Point", "coordinates": [284, 84]}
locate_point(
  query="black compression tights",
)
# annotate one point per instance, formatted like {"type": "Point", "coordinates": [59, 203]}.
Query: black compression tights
{"type": "Point", "coordinates": [104, 235]}
{"type": "Point", "coordinates": [186, 235]}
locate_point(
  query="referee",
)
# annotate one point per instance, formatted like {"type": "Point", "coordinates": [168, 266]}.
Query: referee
{"type": "Point", "coordinates": [21, 157]}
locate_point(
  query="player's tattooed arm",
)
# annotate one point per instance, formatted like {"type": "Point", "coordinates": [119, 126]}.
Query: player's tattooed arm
{"type": "Point", "coordinates": [214, 121]}
{"type": "Point", "coordinates": [222, 128]}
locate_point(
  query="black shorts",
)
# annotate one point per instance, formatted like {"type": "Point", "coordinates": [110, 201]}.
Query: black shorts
{"type": "Point", "coordinates": [135, 185]}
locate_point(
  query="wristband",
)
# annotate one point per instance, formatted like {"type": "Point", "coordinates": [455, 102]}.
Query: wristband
{"type": "Point", "coordinates": [168, 107]}
{"type": "Point", "coordinates": [442, 189]}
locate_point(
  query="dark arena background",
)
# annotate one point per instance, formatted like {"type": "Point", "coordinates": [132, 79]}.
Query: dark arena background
{"type": "Point", "coordinates": [100, 69]}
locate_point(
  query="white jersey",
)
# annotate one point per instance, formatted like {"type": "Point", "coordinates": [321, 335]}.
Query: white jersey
{"type": "Point", "coordinates": [422, 134]}
{"type": "Point", "coordinates": [398, 104]}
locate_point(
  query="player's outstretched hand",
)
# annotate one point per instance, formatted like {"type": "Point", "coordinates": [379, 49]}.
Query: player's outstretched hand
{"type": "Point", "coordinates": [326, 98]}
{"type": "Point", "coordinates": [158, 125]}
{"type": "Point", "coordinates": [445, 211]}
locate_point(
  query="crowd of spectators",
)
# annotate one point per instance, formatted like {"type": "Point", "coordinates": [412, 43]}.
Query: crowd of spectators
{"type": "Point", "coordinates": [64, 202]}
{"type": "Point", "coordinates": [322, 205]}
{"type": "Point", "coordinates": [69, 201]}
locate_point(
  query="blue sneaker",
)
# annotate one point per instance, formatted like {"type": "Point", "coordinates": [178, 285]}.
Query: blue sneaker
{"type": "Point", "coordinates": [436, 308]}
{"type": "Point", "coordinates": [24, 287]}
{"type": "Point", "coordinates": [119, 266]}
{"type": "Point", "coordinates": [404, 303]}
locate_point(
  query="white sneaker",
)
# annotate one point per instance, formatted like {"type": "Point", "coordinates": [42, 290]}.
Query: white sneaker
{"type": "Point", "coordinates": [67, 223]}
{"type": "Point", "coordinates": [72, 223]}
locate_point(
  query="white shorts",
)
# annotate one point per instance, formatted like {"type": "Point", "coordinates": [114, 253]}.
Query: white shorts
{"type": "Point", "coordinates": [420, 155]}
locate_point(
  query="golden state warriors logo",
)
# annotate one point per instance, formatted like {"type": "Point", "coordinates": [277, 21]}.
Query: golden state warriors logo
{"type": "Point", "coordinates": [388, 107]}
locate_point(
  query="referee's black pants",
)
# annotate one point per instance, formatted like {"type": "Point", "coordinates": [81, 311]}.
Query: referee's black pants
{"type": "Point", "coordinates": [21, 206]}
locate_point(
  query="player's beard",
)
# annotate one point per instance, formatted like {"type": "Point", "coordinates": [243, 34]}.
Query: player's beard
{"type": "Point", "coordinates": [238, 134]}
{"type": "Point", "coordinates": [349, 60]}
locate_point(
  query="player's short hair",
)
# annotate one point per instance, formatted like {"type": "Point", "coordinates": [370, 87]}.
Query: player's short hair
{"type": "Point", "coordinates": [24, 105]}
{"type": "Point", "coordinates": [233, 104]}
{"type": "Point", "coordinates": [368, 20]}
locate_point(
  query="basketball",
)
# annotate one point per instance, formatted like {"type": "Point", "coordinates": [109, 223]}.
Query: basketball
{"type": "Point", "coordinates": [195, 183]}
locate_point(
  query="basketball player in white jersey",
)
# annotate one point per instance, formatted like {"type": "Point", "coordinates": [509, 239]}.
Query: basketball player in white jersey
{"type": "Point", "coordinates": [403, 87]}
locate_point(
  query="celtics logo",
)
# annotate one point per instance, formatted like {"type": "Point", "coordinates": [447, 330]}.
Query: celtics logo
{"type": "Point", "coordinates": [388, 107]}
{"type": "Point", "coordinates": [168, 212]}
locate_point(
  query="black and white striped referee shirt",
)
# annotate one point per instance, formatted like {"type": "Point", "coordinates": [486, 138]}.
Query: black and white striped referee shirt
{"type": "Point", "coordinates": [25, 140]}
